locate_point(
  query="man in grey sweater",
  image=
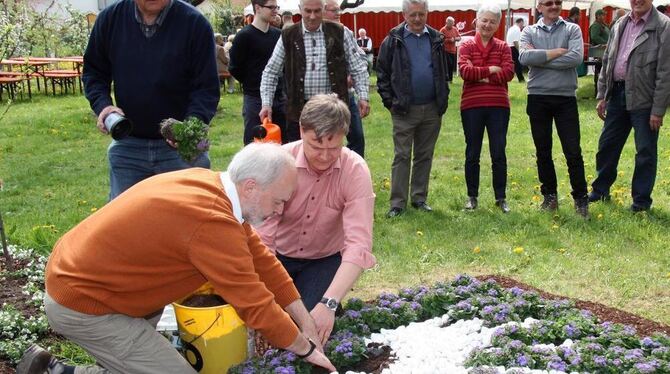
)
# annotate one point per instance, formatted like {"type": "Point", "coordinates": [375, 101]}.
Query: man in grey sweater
{"type": "Point", "coordinates": [552, 49]}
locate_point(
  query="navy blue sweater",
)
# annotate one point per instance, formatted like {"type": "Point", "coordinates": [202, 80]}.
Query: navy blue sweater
{"type": "Point", "coordinates": [170, 75]}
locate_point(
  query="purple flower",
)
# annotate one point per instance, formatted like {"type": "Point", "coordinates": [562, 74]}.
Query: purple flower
{"type": "Point", "coordinates": [248, 370]}
{"type": "Point", "coordinates": [275, 362]}
{"type": "Point", "coordinates": [557, 364]}
{"type": "Point", "coordinates": [594, 347]}
{"type": "Point", "coordinates": [633, 354]}
{"type": "Point", "coordinates": [645, 367]}
{"type": "Point", "coordinates": [464, 305]}
{"type": "Point", "coordinates": [648, 342]}
{"type": "Point", "coordinates": [516, 344]}
{"type": "Point", "coordinates": [203, 145]}
{"type": "Point", "coordinates": [353, 314]}
{"type": "Point", "coordinates": [516, 291]}
{"type": "Point", "coordinates": [384, 303]}
{"type": "Point", "coordinates": [571, 331]}
{"type": "Point", "coordinates": [397, 304]}
{"type": "Point", "coordinates": [414, 305]}
{"type": "Point", "coordinates": [522, 360]}
{"type": "Point", "coordinates": [488, 309]}
{"type": "Point", "coordinates": [290, 356]}
{"type": "Point", "coordinates": [617, 362]}
{"type": "Point", "coordinates": [600, 361]}
{"type": "Point", "coordinates": [282, 370]}
{"type": "Point", "coordinates": [492, 292]}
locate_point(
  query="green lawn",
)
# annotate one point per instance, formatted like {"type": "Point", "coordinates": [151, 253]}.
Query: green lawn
{"type": "Point", "coordinates": [54, 172]}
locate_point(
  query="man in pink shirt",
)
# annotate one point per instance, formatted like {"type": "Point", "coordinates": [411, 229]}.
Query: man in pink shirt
{"type": "Point", "coordinates": [324, 235]}
{"type": "Point", "coordinates": [633, 93]}
{"type": "Point", "coordinates": [451, 36]}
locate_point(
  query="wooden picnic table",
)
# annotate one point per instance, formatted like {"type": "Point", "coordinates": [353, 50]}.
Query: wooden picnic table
{"type": "Point", "coordinates": [32, 67]}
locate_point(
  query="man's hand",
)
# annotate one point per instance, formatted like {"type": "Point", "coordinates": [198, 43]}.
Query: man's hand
{"type": "Point", "coordinates": [364, 107]}
{"type": "Point", "coordinates": [655, 123]}
{"type": "Point", "coordinates": [601, 108]}
{"type": "Point", "coordinates": [555, 53]}
{"type": "Point", "coordinates": [324, 318]}
{"type": "Point", "coordinates": [266, 112]}
{"type": "Point", "coordinates": [301, 346]}
{"type": "Point", "coordinates": [105, 112]}
{"type": "Point", "coordinates": [494, 69]}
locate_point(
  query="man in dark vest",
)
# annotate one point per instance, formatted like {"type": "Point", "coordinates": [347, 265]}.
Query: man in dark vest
{"type": "Point", "coordinates": [315, 57]}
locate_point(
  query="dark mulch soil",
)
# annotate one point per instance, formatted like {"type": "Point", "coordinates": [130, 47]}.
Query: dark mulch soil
{"type": "Point", "coordinates": [203, 301]}
{"type": "Point", "coordinates": [644, 327]}
{"type": "Point", "coordinates": [10, 292]}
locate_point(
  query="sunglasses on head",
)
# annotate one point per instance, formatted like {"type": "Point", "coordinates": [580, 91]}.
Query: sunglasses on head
{"type": "Point", "coordinates": [552, 3]}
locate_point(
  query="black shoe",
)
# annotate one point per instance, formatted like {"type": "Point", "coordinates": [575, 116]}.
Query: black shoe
{"type": "Point", "coordinates": [35, 360]}
{"type": "Point", "coordinates": [550, 202]}
{"type": "Point", "coordinates": [394, 212]}
{"type": "Point", "coordinates": [639, 208]}
{"type": "Point", "coordinates": [502, 204]}
{"type": "Point", "coordinates": [422, 206]}
{"type": "Point", "coordinates": [470, 203]}
{"type": "Point", "coordinates": [594, 197]}
{"type": "Point", "coordinates": [582, 206]}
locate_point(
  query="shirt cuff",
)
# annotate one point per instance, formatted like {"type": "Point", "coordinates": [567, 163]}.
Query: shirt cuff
{"type": "Point", "coordinates": [359, 257]}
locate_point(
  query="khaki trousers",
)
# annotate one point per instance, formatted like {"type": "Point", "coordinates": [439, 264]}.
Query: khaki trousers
{"type": "Point", "coordinates": [413, 133]}
{"type": "Point", "coordinates": [120, 344]}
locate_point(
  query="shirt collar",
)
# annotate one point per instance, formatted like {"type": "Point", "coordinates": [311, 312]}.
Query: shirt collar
{"type": "Point", "coordinates": [231, 192]}
{"type": "Point", "coordinates": [541, 23]}
{"type": "Point", "coordinates": [159, 19]}
{"type": "Point", "coordinates": [644, 17]}
{"type": "Point", "coordinates": [305, 31]}
{"type": "Point", "coordinates": [301, 162]}
{"type": "Point", "coordinates": [408, 33]}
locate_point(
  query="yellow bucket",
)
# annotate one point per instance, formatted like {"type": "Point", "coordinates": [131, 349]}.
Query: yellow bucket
{"type": "Point", "coordinates": [213, 338]}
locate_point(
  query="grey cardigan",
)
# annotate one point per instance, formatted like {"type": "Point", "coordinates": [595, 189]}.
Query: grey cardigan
{"type": "Point", "coordinates": [648, 70]}
{"type": "Point", "coordinates": [558, 76]}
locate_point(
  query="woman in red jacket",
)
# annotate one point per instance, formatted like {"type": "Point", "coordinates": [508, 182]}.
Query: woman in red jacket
{"type": "Point", "coordinates": [485, 64]}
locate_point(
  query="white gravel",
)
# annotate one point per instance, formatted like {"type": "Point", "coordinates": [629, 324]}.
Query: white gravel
{"type": "Point", "coordinates": [428, 348]}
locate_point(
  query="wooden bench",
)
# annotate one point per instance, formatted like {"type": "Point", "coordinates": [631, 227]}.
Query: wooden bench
{"type": "Point", "coordinates": [13, 84]}
{"type": "Point", "coordinates": [64, 79]}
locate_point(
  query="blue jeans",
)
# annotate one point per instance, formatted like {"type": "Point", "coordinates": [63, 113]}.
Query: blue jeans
{"type": "Point", "coordinates": [495, 121]}
{"type": "Point", "coordinates": [132, 160]}
{"type": "Point", "coordinates": [542, 111]}
{"type": "Point", "coordinates": [355, 137]}
{"type": "Point", "coordinates": [311, 277]}
{"type": "Point", "coordinates": [252, 106]}
{"type": "Point", "coordinates": [618, 124]}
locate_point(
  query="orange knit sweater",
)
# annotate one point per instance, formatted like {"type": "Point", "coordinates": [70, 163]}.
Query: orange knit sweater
{"type": "Point", "coordinates": [160, 241]}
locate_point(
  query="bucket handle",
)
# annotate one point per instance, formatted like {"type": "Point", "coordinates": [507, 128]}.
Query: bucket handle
{"type": "Point", "coordinates": [218, 315]}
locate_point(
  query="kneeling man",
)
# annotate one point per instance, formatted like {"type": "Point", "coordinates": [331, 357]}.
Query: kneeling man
{"type": "Point", "coordinates": [324, 235]}
{"type": "Point", "coordinates": [108, 278]}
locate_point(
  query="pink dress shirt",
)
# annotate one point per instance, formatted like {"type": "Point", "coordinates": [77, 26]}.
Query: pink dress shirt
{"type": "Point", "coordinates": [328, 213]}
{"type": "Point", "coordinates": [633, 28]}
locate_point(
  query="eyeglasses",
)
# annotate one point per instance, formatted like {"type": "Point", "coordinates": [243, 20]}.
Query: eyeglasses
{"type": "Point", "coordinates": [271, 7]}
{"type": "Point", "coordinates": [552, 3]}
{"type": "Point", "coordinates": [333, 10]}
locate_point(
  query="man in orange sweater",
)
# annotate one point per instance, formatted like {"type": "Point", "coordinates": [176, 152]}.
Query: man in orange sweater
{"type": "Point", "coordinates": [108, 278]}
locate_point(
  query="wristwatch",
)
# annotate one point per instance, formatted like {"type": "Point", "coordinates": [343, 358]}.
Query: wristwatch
{"type": "Point", "coordinates": [331, 303]}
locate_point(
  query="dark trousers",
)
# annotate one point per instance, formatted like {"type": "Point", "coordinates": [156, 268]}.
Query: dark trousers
{"type": "Point", "coordinates": [251, 106]}
{"type": "Point", "coordinates": [495, 121]}
{"type": "Point", "coordinates": [311, 277]}
{"type": "Point", "coordinates": [542, 110]}
{"type": "Point", "coordinates": [451, 65]}
{"type": "Point", "coordinates": [518, 68]}
{"type": "Point", "coordinates": [618, 124]}
{"type": "Point", "coordinates": [355, 137]}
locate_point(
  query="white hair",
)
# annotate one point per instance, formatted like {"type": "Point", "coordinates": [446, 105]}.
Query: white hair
{"type": "Point", "coordinates": [323, 3]}
{"type": "Point", "coordinates": [361, 30]}
{"type": "Point", "coordinates": [406, 3]}
{"type": "Point", "coordinates": [489, 8]}
{"type": "Point", "coordinates": [450, 18]}
{"type": "Point", "coordinates": [262, 162]}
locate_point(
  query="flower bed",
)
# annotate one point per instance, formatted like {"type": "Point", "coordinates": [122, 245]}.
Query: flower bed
{"type": "Point", "coordinates": [477, 326]}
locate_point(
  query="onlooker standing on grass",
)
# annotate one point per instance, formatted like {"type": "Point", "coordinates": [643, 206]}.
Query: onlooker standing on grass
{"type": "Point", "coordinates": [315, 57]}
{"type": "Point", "coordinates": [248, 56]}
{"type": "Point", "coordinates": [366, 45]}
{"type": "Point", "coordinates": [108, 278]}
{"type": "Point", "coordinates": [485, 64]}
{"type": "Point", "coordinates": [513, 36]}
{"type": "Point", "coordinates": [221, 57]}
{"type": "Point", "coordinates": [412, 82]}
{"type": "Point", "coordinates": [323, 237]}
{"type": "Point", "coordinates": [160, 57]}
{"type": "Point", "coordinates": [633, 92]}
{"type": "Point", "coordinates": [451, 36]}
{"type": "Point", "coordinates": [599, 33]}
{"type": "Point", "coordinates": [553, 48]}
{"type": "Point", "coordinates": [355, 137]}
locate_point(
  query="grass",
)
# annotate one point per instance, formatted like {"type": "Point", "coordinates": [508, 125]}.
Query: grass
{"type": "Point", "coordinates": [54, 169]}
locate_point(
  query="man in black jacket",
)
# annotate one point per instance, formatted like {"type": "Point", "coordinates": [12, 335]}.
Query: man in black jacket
{"type": "Point", "coordinates": [411, 79]}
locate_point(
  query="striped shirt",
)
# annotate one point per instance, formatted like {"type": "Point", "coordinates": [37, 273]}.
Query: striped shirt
{"type": "Point", "coordinates": [473, 64]}
{"type": "Point", "coordinates": [316, 72]}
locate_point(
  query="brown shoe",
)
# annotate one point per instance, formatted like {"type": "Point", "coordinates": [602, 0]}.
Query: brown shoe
{"type": "Point", "coordinates": [550, 202]}
{"type": "Point", "coordinates": [582, 206]}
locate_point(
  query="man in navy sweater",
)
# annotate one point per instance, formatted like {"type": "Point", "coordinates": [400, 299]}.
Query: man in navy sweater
{"type": "Point", "coordinates": [159, 54]}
